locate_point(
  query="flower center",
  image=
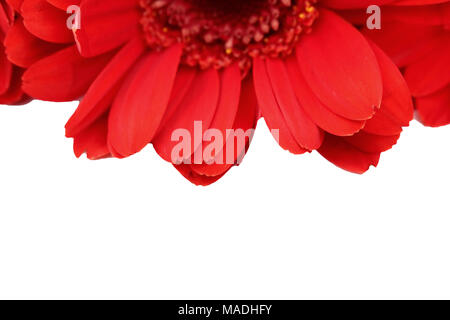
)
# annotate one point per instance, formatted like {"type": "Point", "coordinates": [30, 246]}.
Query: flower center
{"type": "Point", "coordinates": [217, 33]}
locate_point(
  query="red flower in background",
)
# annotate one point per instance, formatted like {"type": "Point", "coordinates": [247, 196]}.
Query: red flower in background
{"type": "Point", "coordinates": [40, 42]}
{"type": "Point", "coordinates": [417, 38]}
{"type": "Point", "coordinates": [10, 83]}
{"type": "Point", "coordinates": [168, 63]}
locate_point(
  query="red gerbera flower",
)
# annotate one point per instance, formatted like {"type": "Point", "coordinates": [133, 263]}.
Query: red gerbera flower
{"type": "Point", "coordinates": [10, 83]}
{"type": "Point", "coordinates": [171, 63]}
{"type": "Point", "coordinates": [417, 38]}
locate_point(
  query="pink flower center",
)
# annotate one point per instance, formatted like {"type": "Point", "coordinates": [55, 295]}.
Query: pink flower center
{"type": "Point", "coordinates": [217, 33]}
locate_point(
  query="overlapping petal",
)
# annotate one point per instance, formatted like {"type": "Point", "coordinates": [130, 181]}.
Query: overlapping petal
{"type": "Point", "coordinates": [417, 38]}
{"type": "Point", "coordinates": [338, 93]}
{"type": "Point", "coordinates": [10, 73]}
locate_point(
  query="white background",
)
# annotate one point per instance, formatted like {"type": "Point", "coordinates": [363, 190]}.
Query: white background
{"type": "Point", "coordinates": [279, 226]}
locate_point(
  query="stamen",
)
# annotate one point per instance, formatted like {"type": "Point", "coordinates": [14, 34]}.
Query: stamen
{"type": "Point", "coordinates": [217, 33]}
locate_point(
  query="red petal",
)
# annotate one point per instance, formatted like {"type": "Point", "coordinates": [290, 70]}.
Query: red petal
{"type": "Point", "coordinates": [199, 104]}
{"type": "Point", "coordinates": [5, 71]}
{"type": "Point", "coordinates": [142, 101]}
{"type": "Point", "coordinates": [340, 67]}
{"type": "Point", "coordinates": [431, 73]}
{"type": "Point", "coordinates": [304, 130]}
{"type": "Point", "coordinates": [434, 110]}
{"type": "Point", "coordinates": [230, 90]}
{"type": "Point", "coordinates": [245, 119]}
{"type": "Point", "coordinates": [396, 108]}
{"type": "Point", "coordinates": [63, 76]}
{"type": "Point", "coordinates": [196, 178]}
{"type": "Point", "coordinates": [24, 49]}
{"type": "Point", "coordinates": [92, 140]}
{"type": "Point", "coordinates": [102, 91]}
{"type": "Point", "coordinates": [321, 115]}
{"type": "Point", "coordinates": [346, 156]}
{"type": "Point", "coordinates": [46, 21]}
{"type": "Point", "coordinates": [106, 25]}
{"type": "Point", "coordinates": [270, 109]}
{"type": "Point", "coordinates": [372, 143]}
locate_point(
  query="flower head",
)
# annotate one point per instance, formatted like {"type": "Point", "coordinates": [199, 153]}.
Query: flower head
{"type": "Point", "coordinates": [159, 66]}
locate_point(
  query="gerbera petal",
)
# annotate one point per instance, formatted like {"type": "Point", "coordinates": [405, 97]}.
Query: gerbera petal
{"type": "Point", "coordinates": [372, 143]}
{"type": "Point", "coordinates": [227, 107]}
{"type": "Point", "coordinates": [346, 156]}
{"type": "Point", "coordinates": [181, 88]}
{"type": "Point", "coordinates": [63, 76]}
{"type": "Point", "coordinates": [142, 101]}
{"type": "Point", "coordinates": [434, 110]}
{"type": "Point", "coordinates": [63, 4]}
{"type": "Point", "coordinates": [24, 49]}
{"type": "Point", "coordinates": [421, 12]}
{"type": "Point", "coordinates": [304, 130]}
{"type": "Point", "coordinates": [6, 18]}
{"type": "Point", "coordinates": [196, 178]}
{"type": "Point", "coordinates": [16, 4]}
{"type": "Point", "coordinates": [396, 108]}
{"type": "Point", "coordinates": [106, 25]}
{"type": "Point", "coordinates": [353, 4]}
{"type": "Point", "coordinates": [321, 115]}
{"type": "Point", "coordinates": [405, 43]}
{"type": "Point", "coordinates": [198, 105]}
{"type": "Point", "coordinates": [14, 93]}
{"type": "Point", "coordinates": [238, 142]}
{"type": "Point", "coordinates": [100, 94]}
{"type": "Point", "coordinates": [431, 73]}
{"type": "Point", "coordinates": [92, 140]}
{"type": "Point", "coordinates": [46, 21]}
{"type": "Point", "coordinates": [341, 68]}
{"type": "Point", "coordinates": [6, 70]}
{"type": "Point", "coordinates": [270, 109]}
